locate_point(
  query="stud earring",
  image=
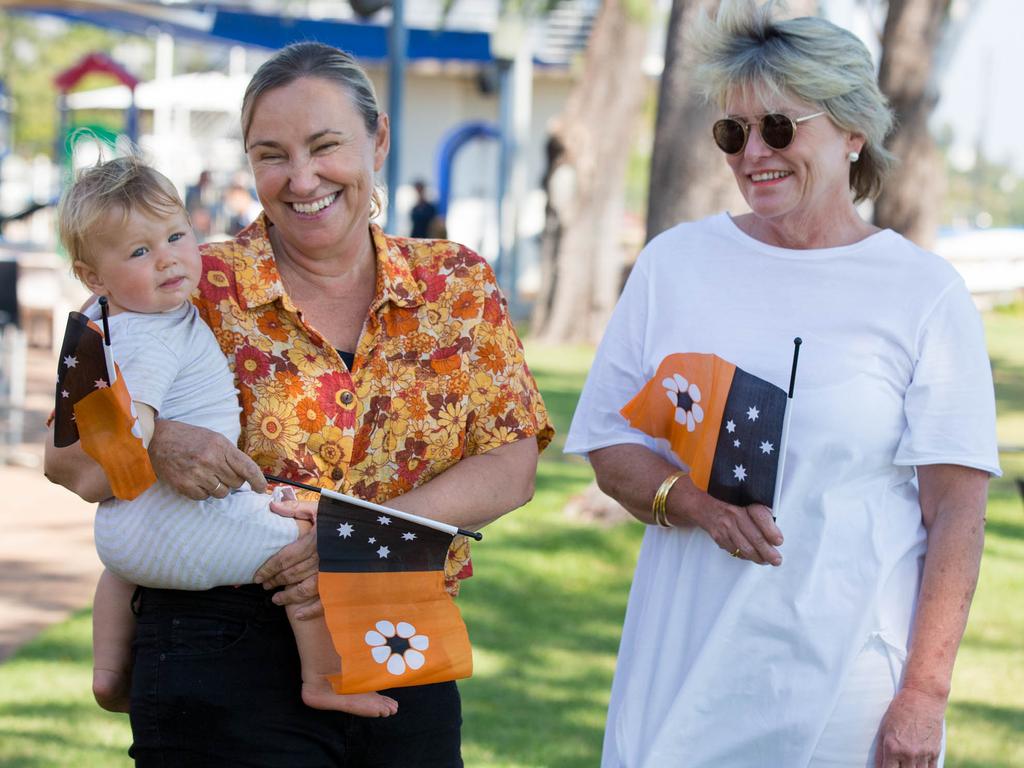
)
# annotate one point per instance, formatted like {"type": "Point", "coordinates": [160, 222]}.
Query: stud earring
{"type": "Point", "coordinates": [853, 157]}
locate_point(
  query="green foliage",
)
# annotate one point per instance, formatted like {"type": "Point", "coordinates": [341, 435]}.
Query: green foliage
{"type": "Point", "coordinates": [545, 610]}
{"type": "Point", "coordinates": [33, 50]}
{"type": "Point", "coordinates": [990, 194]}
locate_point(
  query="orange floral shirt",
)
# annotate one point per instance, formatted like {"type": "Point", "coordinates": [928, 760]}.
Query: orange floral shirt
{"type": "Point", "coordinates": [439, 371]}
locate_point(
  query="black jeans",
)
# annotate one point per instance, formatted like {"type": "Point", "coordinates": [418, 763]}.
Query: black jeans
{"type": "Point", "coordinates": [216, 682]}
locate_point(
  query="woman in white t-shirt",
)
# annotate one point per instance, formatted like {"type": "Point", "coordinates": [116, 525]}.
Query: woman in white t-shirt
{"type": "Point", "coordinates": [825, 636]}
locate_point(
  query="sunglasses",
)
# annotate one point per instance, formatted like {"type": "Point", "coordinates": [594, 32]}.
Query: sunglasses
{"type": "Point", "coordinates": [777, 131]}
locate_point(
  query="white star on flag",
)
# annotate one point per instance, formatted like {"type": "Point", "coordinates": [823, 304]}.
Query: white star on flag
{"type": "Point", "coordinates": [735, 443]}
{"type": "Point", "coordinates": [767, 447]}
{"type": "Point", "coordinates": [409, 536]}
{"type": "Point", "coordinates": [384, 520]}
{"type": "Point", "coordinates": [70, 361]}
{"type": "Point", "coordinates": [100, 384]}
{"type": "Point", "coordinates": [739, 472]}
{"type": "Point", "coordinates": [753, 413]}
{"type": "Point", "coordinates": [371, 540]}
{"type": "Point", "coordinates": [64, 393]}
{"type": "Point", "coordinates": [383, 552]}
{"type": "Point", "coordinates": [345, 530]}
{"type": "Point", "coordinates": [730, 426]}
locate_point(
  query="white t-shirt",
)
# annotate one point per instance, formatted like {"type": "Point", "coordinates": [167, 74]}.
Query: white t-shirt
{"type": "Point", "coordinates": [171, 361]}
{"type": "Point", "coordinates": [723, 662]}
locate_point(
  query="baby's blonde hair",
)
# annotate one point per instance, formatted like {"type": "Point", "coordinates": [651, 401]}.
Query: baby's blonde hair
{"type": "Point", "coordinates": [124, 184]}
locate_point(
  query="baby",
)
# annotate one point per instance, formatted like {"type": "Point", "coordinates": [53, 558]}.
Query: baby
{"type": "Point", "coordinates": [130, 240]}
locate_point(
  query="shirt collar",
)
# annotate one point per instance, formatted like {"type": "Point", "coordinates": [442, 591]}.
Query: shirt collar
{"type": "Point", "coordinates": [395, 280]}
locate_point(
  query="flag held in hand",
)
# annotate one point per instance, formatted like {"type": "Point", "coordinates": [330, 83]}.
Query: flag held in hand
{"type": "Point", "coordinates": [382, 586]}
{"type": "Point", "coordinates": [724, 423]}
{"type": "Point", "coordinates": [93, 404]}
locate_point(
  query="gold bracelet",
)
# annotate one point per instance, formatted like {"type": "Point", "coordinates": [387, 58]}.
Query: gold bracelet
{"type": "Point", "coordinates": [659, 507]}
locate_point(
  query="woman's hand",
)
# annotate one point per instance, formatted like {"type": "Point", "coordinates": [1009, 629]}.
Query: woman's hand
{"type": "Point", "coordinates": [300, 510]}
{"type": "Point", "coordinates": [632, 474]}
{"type": "Point", "coordinates": [199, 463]}
{"type": "Point", "coordinates": [746, 532]}
{"type": "Point", "coordinates": [911, 732]}
{"type": "Point", "coordinates": [295, 567]}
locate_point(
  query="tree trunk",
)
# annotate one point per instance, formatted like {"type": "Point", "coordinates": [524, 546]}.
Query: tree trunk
{"type": "Point", "coordinates": [910, 199]}
{"type": "Point", "coordinates": [581, 253]}
{"type": "Point", "coordinates": [689, 176]}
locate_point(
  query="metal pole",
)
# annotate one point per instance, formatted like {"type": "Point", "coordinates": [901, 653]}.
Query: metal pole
{"type": "Point", "coordinates": [397, 43]}
{"type": "Point", "coordinates": [522, 100]}
{"type": "Point", "coordinates": [506, 219]}
{"type": "Point", "coordinates": [6, 134]}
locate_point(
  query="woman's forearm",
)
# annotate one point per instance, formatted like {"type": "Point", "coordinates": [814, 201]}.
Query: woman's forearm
{"type": "Point", "coordinates": [478, 489]}
{"type": "Point", "coordinates": [953, 502]}
{"type": "Point", "coordinates": [631, 474]}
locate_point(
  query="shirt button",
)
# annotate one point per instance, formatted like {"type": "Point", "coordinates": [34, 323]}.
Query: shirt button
{"type": "Point", "coordinates": [346, 398]}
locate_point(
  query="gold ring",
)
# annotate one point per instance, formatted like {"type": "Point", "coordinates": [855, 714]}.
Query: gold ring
{"type": "Point", "coordinates": [736, 552]}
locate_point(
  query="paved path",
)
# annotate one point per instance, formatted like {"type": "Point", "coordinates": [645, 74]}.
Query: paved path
{"type": "Point", "coordinates": [48, 566]}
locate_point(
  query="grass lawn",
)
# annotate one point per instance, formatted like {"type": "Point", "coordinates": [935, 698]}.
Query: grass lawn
{"type": "Point", "coordinates": [545, 610]}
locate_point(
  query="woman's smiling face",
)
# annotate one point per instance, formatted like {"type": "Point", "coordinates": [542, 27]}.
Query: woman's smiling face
{"type": "Point", "coordinates": [314, 161]}
{"type": "Point", "coordinates": [804, 181]}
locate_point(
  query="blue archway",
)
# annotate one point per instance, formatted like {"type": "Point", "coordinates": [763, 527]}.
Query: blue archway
{"type": "Point", "coordinates": [452, 142]}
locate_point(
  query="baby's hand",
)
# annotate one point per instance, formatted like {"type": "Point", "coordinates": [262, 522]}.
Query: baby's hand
{"type": "Point", "coordinates": [292, 507]}
{"type": "Point", "coordinates": [281, 493]}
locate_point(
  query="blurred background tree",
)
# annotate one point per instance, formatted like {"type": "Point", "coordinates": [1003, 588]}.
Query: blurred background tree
{"type": "Point", "coordinates": [32, 51]}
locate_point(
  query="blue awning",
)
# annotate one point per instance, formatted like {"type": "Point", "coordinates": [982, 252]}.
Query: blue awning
{"type": "Point", "coordinates": [364, 40]}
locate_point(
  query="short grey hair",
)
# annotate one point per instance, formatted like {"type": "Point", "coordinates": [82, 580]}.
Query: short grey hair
{"type": "Point", "coordinates": [315, 60]}
{"type": "Point", "coordinates": [810, 58]}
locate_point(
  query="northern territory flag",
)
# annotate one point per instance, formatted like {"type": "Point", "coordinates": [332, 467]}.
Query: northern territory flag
{"type": "Point", "coordinates": [93, 404]}
{"type": "Point", "coordinates": [723, 422]}
{"type": "Point", "coordinates": [382, 587]}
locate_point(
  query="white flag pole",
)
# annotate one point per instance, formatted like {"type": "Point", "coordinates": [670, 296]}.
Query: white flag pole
{"type": "Point", "coordinates": [435, 524]}
{"type": "Point", "coordinates": [785, 429]}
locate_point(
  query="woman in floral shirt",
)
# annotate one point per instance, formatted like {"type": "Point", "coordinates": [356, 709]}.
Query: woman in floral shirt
{"type": "Point", "coordinates": [383, 367]}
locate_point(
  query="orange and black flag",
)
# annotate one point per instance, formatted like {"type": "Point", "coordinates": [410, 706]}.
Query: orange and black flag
{"type": "Point", "coordinates": [724, 423]}
{"type": "Point", "coordinates": [382, 587]}
{"type": "Point", "coordinates": [93, 405]}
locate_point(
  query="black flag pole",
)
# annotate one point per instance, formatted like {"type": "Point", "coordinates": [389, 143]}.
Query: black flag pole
{"type": "Point", "coordinates": [785, 427]}
{"type": "Point", "coordinates": [104, 314]}
{"type": "Point", "coordinates": [435, 524]}
{"type": "Point", "coordinates": [108, 355]}
{"type": "Point", "coordinates": [796, 356]}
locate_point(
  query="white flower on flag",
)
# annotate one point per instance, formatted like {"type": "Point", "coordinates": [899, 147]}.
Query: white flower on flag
{"type": "Point", "coordinates": [397, 645]}
{"type": "Point", "coordinates": [686, 399]}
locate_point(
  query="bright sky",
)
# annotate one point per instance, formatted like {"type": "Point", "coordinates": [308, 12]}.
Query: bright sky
{"type": "Point", "coordinates": [981, 90]}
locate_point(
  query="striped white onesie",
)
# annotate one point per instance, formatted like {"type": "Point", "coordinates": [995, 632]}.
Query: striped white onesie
{"type": "Point", "coordinates": [171, 362]}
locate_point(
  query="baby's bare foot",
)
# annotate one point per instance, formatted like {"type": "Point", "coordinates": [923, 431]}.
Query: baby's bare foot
{"type": "Point", "coordinates": [361, 704]}
{"type": "Point", "coordinates": [112, 689]}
